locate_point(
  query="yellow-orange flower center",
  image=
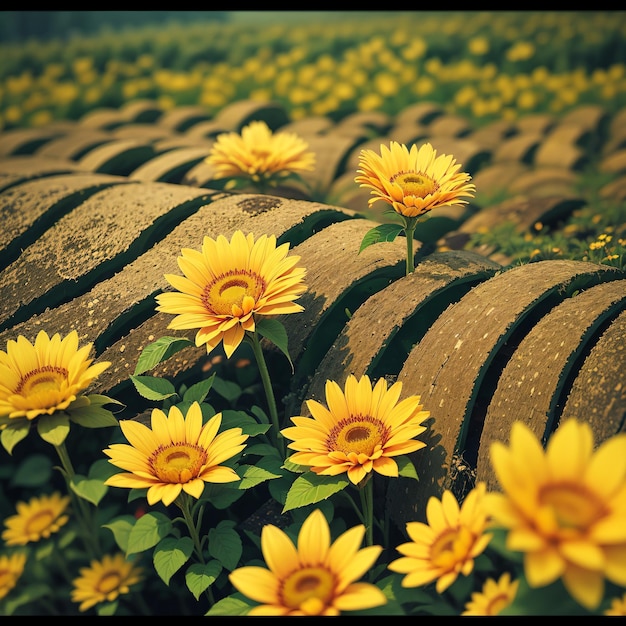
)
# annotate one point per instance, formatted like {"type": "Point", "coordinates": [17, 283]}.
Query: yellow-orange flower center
{"type": "Point", "coordinates": [452, 547]}
{"type": "Point", "coordinates": [224, 295]}
{"type": "Point", "coordinates": [497, 604]}
{"type": "Point", "coordinates": [360, 434]}
{"type": "Point", "coordinates": [574, 507]}
{"type": "Point", "coordinates": [39, 522]}
{"type": "Point", "coordinates": [309, 589]}
{"type": "Point", "coordinates": [415, 184]}
{"type": "Point", "coordinates": [110, 581]}
{"type": "Point", "coordinates": [42, 380]}
{"type": "Point", "coordinates": [178, 463]}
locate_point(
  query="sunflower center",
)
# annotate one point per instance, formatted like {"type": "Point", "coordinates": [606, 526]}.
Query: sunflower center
{"type": "Point", "coordinates": [361, 434]}
{"type": "Point", "coordinates": [178, 463]}
{"type": "Point", "coordinates": [224, 296]}
{"type": "Point", "coordinates": [574, 507]}
{"type": "Point", "coordinates": [42, 380]}
{"type": "Point", "coordinates": [451, 547]}
{"type": "Point", "coordinates": [38, 522]}
{"type": "Point", "coordinates": [261, 154]}
{"type": "Point", "coordinates": [309, 589]}
{"type": "Point", "coordinates": [415, 184]}
{"type": "Point", "coordinates": [108, 582]}
{"type": "Point", "coordinates": [497, 603]}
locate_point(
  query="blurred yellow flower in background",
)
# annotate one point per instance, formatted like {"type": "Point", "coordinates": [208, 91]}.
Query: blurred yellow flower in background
{"type": "Point", "coordinates": [564, 507]}
{"type": "Point", "coordinates": [36, 519]}
{"type": "Point", "coordinates": [260, 155]}
{"type": "Point", "coordinates": [105, 581]}
{"type": "Point", "coordinates": [493, 597]}
{"type": "Point", "coordinates": [11, 568]}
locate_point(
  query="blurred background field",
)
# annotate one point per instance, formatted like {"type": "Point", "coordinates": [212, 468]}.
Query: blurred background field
{"type": "Point", "coordinates": [492, 77]}
{"type": "Point", "coordinates": [482, 64]}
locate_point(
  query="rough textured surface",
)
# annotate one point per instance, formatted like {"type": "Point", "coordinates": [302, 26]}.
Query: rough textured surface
{"type": "Point", "coordinates": [536, 374]}
{"type": "Point", "coordinates": [451, 363]}
{"type": "Point", "coordinates": [93, 233]}
{"type": "Point", "coordinates": [374, 324]}
{"type": "Point", "coordinates": [598, 393]}
{"type": "Point", "coordinates": [26, 204]}
{"type": "Point", "coordinates": [333, 267]}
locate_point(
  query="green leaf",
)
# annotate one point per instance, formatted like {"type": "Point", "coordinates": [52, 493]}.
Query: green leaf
{"type": "Point", "coordinates": [92, 414]}
{"type": "Point", "coordinates": [28, 595]}
{"type": "Point", "coordinates": [147, 532]}
{"type": "Point", "coordinates": [106, 609]}
{"type": "Point", "coordinates": [254, 475]}
{"type": "Point", "coordinates": [261, 449]}
{"type": "Point", "coordinates": [225, 544]}
{"type": "Point", "coordinates": [274, 331]}
{"type": "Point", "coordinates": [248, 425]}
{"type": "Point", "coordinates": [158, 351]}
{"type": "Point", "coordinates": [260, 414]}
{"type": "Point", "coordinates": [310, 488]}
{"type": "Point", "coordinates": [382, 232]}
{"type": "Point", "coordinates": [121, 527]}
{"type": "Point", "coordinates": [406, 468]}
{"type": "Point", "coordinates": [237, 604]}
{"type": "Point", "coordinates": [13, 434]}
{"type": "Point", "coordinates": [153, 387]}
{"type": "Point", "coordinates": [35, 470]}
{"type": "Point", "coordinates": [199, 391]}
{"type": "Point", "coordinates": [102, 469]}
{"type": "Point", "coordinates": [92, 490]}
{"type": "Point", "coordinates": [54, 428]}
{"type": "Point", "coordinates": [227, 389]}
{"type": "Point", "coordinates": [170, 555]}
{"type": "Point", "coordinates": [221, 496]}
{"type": "Point", "coordinates": [201, 577]}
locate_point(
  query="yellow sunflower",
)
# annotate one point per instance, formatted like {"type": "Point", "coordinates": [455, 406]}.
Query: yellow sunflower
{"type": "Point", "coordinates": [564, 507]}
{"type": "Point", "coordinates": [360, 431]}
{"type": "Point", "coordinates": [260, 155]}
{"type": "Point", "coordinates": [227, 284]}
{"type": "Point", "coordinates": [314, 578]}
{"type": "Point", "coordinates": [104, 581]}
{"type": "Point", "coordinates": [448, 544]}
{"type": "Point", "coordinates": [413, 181]}
{"type": "Point", "coordinates": [617, 607]}
{"type": "Point", "coordinates": [177, 454]}
{"type": "Point", "coordinates": [36, 519]}
{"type": "Point", "coordinates": [494, 597]}
{"type": "Point", "coordinates": [45, 377]}
{"type": "Point", "coordinates": [11, 568]}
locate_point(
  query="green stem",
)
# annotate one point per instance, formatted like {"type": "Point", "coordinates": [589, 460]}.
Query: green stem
{"type": "Point", "coordinates": [183, 502]}
{"type": "Point", "coordinates": [358, 511]}
{"type": "Point", "coordinates": [409, 229]}
{"type": "Point", "coordinates": [277, 439]}
{"type": "Point", "coordinates": [84, 513]}
{"type": "Point", "coordinates": [367, 504]}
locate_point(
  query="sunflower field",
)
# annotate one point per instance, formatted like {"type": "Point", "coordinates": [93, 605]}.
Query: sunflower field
{"type": "Point", "coordinates": [486, 65]}
{"type": "Point", "coordinates": [312, 313]}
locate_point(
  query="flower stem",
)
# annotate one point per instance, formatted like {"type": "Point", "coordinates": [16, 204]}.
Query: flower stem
{"type": "Point", "coordinates": [84, 514]}
{"type": "Point", "coordinates": [277, 438]}
{"type": "Point", "coordinates": [409, 229]}
{"type": "Point", "coordinates": [184, 504]}
{"type": "Point", "coordinates": [367, 504]}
